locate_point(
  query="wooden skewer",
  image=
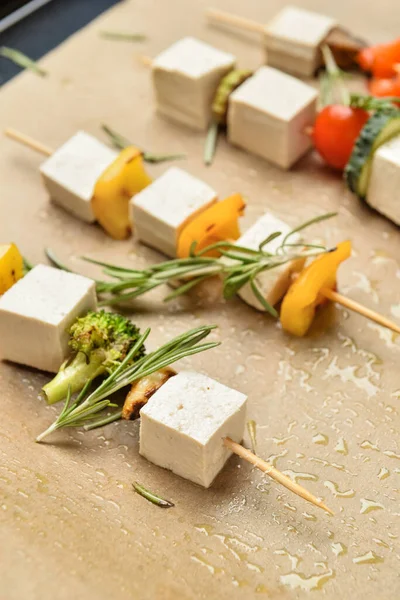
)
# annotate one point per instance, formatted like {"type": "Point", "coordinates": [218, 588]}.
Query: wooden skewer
{"type": "Point", "coordinates": [219, 16]}
{"type": "Point", "coordinates": [330, 294]}
{"type": "Point", "coordinates": [270, 470]}
{"type": "Point", "coordinates": [28, 141]}
{"type": "Point", "coordinates": [359, 308]}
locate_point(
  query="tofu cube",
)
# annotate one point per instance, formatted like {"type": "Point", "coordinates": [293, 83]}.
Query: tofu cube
{"type": "Point", "coordinates": [72, 171]}
{"type": "Point", "coordinates": [268, 115]}
{"type": "Point", "coordinates": [183, 425]}
{"type": "Point", "coordinates": [384, 184]}
{"type": "Point", "coordinates": [293, 40]}
{"type": "Point", "coordinates": [163, 208]}
{"type": "Point", "coordinates": [273, 283]}
{"type": "Point", "coordinates": [185, 77]}
{"type": "Point", "coordinates": [36, 313]}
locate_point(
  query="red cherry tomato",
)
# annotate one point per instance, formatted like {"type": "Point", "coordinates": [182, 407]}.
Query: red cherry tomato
{"type": "Point", "coordinates": [335, 131]}
{"type": "Point", "coordinates": [385, 87]}
{"type": "Point", "coordinates": [380, 60]}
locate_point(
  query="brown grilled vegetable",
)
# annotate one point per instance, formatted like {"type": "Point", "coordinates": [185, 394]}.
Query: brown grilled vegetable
{"type": "Point", "coordinates": [345, 47]}
{"type": "Point", "coordinates": [142, 390]}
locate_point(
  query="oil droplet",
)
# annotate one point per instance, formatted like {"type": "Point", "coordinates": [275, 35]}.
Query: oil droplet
{"type": "Point", "coordinates": [261, 589]}
{"type": "Point", "coordinates": [341, 447]}
{"type": "Point", "coordinates": [391, 454]}
{"type": "Point", "coordinates": [295, 475]}
{"type": "Point", "coordinates": [367, 445]}
{"type": "Point", "coordinates": [294, 559]}
{"type": "Point", "coordinates": [370, 558]}
{"type": "Point", "coordinates": [308, 584]}
{"type": "Point", "coordinates": [309, 516]}
{"type": "Point", "coordinates": [200, 560]}
{"type": "Point", "coordinates": [338, 549]}
{"type": "Point", "coordinates": [383, 473]}
{"type": "Point", "coordinates": [334, 488]}
{"type": "Point", "coordinates": [282, 440]}
{"type": "Point", "coordinates": [205, 528]}
{"type": "Point", "coordinates": [369, 505]}
{"type": "Point", "coordinates": [274, 457]}
{"type": "Point", "coordinates": [321, 439]}
{"type": "Point", "coordinates": [379, 542]}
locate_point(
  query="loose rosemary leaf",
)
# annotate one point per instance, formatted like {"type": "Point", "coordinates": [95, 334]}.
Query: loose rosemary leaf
{"type": "Point", "coordinates": [23, 61]}
{"type": "Point", "coordinates": [121, 36]}
{"type": "Point", "coordinates": [211, 143]}
{"type": "Point", "coordinates": [252, 429]}
{"type": "Point", "coordinates": [151, 497]}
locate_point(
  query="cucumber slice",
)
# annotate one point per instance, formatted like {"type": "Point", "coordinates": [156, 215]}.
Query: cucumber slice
{"type": "Point", "coordinates": [381, 127]}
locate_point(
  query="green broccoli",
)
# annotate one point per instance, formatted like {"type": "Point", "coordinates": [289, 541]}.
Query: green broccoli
{"type": "Point", "coordinates": [99, 341]}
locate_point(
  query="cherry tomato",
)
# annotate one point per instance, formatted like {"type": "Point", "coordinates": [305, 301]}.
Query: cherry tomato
{"type": "Point", "coordinates": [380, 60]}
{"type": "Point", "coordinates": [385, 87]}
{"type": "Point", "coordinates": [335, 131]}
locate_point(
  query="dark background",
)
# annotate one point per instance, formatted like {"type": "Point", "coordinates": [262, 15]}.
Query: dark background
{"type": "Point", "coordinates": [46, 28]}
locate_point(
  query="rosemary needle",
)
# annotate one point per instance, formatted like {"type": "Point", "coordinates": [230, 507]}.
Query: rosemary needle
{"type": "Point", "coordinates": [23, 61]}
{"type": "Point", "coordinates": [121, 142]}
{"type": "Point", "coordinates": [210, 145]}
{"type": "Point", "coordinates": [122, 36]}
{"type": "Point", "coordinates": [252, 429]}
{"type": "Point", "coordinates": [151, 497]}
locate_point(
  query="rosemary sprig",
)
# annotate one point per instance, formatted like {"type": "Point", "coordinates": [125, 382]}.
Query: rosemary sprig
{"type": "Point", "coordinates": [237, 266]}
{"type": "Point", "coordinates": [121, 36]}
{"type": "Point", "coordinates": [81, 411]}
{"type": "Point", "coordinates": [23, 61]}
{"type": "Point", "coordinates": [151, 497]}
{"type": "Point", "coordinates": [121, 142]}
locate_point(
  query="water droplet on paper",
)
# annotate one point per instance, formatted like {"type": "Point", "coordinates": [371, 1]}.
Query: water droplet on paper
{"type": "Point", "coordinates": [334, 488]}
{"type": "Point", "coordinates": [368, 506]}
{"type": "Point", "coordinates": [341, 447]}
{"type": "Point", "coordinates": [383, 473]}
{"type": "Point", "coordinates": [308, 584]}
{"type": "Point", "coordinates": [338, 549]}
{"type": "Point", "coordinates": [321, 439]}
{"type": "Point", "coordinates": [369, 558]}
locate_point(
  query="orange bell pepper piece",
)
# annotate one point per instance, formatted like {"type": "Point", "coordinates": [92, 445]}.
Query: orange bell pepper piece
{"type": "Point", "coordinates": [217, 223]}
{"type": "Point", "coordinates": [380, 60]}
{"type": "Point", "coordinates": [11, 266]}
{"type": "Point", "coordinates": [125, 177]}
{"type": "Point", "coordinates": [306, 292]}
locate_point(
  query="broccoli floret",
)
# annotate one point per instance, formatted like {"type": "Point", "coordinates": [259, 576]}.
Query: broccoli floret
{"type": "Point", "coordinates": [99, 341]}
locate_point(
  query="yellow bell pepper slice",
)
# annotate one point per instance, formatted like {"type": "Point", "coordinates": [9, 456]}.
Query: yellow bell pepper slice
{"type": "Point", "coordinates": [304, 295]}
{"type": "Point", "coordinates": [125, 177]}
{"type": "Point", "coordinates": [217, 223]}
{"type": "Point", "coordinates": [11, 266]}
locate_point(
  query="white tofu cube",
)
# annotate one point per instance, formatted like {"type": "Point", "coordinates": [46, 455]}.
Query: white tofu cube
{"type": "Point", "coordinates": [36, 313]}
{"type": "Point", "coordinates": [163, 208]}
{"type": "Point", "coordinates": [185, 77]}
{"type": "Point", "coordinates": [72, 171]}
{"type": "Point", "coordinates": [293, 40]}
{"type": "Point", "coordinates": [384, 184]}
{"type": "Point", "coordinates": [268, 115]}
{"type": "Point", "coordinates": [274, 283]}
{"type": "Point", "coordinates": [183, 425]}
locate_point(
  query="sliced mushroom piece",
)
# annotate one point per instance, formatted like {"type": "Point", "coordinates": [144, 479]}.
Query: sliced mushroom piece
{"type": "Point", "coordinates": [142, 390]}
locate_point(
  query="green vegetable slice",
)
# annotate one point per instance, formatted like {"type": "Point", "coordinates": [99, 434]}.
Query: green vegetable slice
{"type": "Point", "coordinates": [381, 127]}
